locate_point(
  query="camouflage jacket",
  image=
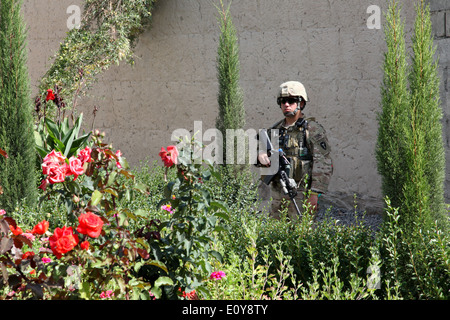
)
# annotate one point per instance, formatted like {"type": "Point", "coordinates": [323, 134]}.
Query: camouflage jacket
{"type": "Point", "coordinates": [307, 148]}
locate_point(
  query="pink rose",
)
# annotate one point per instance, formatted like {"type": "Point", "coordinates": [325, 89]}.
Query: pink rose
{"type": "Point", "coordinates": [55, 167]}
{"type": "Point", "coordinates": [57, 174]}
{"type": "Point", "coordinates": [75, 167]}
{"type": "Point", "coordinates": [54, 157]}
{"type": "Point", "coordinates": [169, 157]}
{"type": "Point", "coordinates": [46, 260]}
{"type": "Point", "coordinates": [85, 155]}
{"type": "Point", "coordinates": [217, 275]}
{"type": "Point", "coordinates": [47, 167]}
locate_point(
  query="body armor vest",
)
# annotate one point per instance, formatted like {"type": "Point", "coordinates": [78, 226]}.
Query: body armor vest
{"type": "Point", "coordinates": [294, 142]}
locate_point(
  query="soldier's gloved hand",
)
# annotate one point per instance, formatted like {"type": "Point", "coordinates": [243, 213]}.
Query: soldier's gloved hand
{"type": "Point", "coordinates": [263, 158]}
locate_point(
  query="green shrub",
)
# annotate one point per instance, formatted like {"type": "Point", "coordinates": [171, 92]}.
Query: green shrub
{"type": "Point", "coordinates": [417, 267]}
{"type": "Point", "coordinates": [17, 172]}
{"type": "Point", "coordinates": [410, 149]}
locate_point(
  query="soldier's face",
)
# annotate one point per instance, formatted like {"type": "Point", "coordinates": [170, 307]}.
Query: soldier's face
{"type": "Point", "coordinates": [289, 105]}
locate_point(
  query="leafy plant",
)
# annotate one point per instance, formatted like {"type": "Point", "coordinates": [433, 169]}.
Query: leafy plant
{"type": "Point", "coordinates": [185, 242]}
{"type": "Point", "coordinates": [60, 136]}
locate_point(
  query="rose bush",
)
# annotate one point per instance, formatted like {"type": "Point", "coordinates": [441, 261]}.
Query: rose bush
{"type": "Point", "coordinates": [184, 241]}
{"type": "Point", "coordinates": [97, 251]}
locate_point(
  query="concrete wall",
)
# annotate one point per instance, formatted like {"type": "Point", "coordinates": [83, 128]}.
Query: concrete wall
{"type": "Point", "coordinates": [440, 15]}
{"type": "Point", "coordinates": [326, 44]}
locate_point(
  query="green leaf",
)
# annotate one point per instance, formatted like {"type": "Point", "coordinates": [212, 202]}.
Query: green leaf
{"type": "Point", "coordinates": [52, 128]}
{"type": "Point", "coordinates": [156, 292]}
{"type": "Point", "coordinates": [78, 142]}
{"type": "Point", "coordinates": [216, 255]}
{"type": "Point", "coordinates": [112, 192]}
{"type": "Point", "coordinates": [85, 290]}
{"type": "Point", "coordinates": [141, 187]}
{"type": "Point", "coordinates": [163, 281]}
{"type": "Point", "coordinates": [158, 264]}
{"type": "Point", "coordinates": [67, 142]}
{"type": "Point", "coordinates": [41, 151]}
{"type": "Point", "coordinates": [141, 213]}
{"type": "Point", "coordinates": [77, 124]}
{"type": "Point", "coordinates": [217, 175]}
{"type": "Point", "coordinates": [96, 197]}
{"type": "Point", "coordinates": [56, 143]}
{"type": "Point", "coordinates": [38, 139]}
{"type": "Point", "coordinates": [111, 178]}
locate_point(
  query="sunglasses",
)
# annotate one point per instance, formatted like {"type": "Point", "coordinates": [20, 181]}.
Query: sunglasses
{"type": "Point", "coordinates": [290, 100]}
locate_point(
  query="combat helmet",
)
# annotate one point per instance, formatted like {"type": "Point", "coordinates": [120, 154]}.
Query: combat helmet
{"type": "Point", "coordinates": [292, 89]}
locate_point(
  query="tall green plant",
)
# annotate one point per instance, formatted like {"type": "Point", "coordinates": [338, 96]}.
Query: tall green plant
{"type": "Point", "coordinates": [230, 97]}
{"type": "Point", "coordinates": [16, 122]}
{"type": "Point", "coordinates": [394, 102]}
{"type": "Point", "coordinates": [409, 151]}
{"type": "Point", "coordinates": [426, 158]}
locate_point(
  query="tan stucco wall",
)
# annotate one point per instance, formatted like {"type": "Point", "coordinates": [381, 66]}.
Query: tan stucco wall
{"type": "Point", "coordinates": [326, 44]}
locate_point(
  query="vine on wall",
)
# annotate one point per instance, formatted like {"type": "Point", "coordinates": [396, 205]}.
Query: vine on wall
{"type": "Point", "coordinates": [107, 34]}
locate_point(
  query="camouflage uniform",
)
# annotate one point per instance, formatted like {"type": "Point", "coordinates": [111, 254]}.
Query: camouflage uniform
{"type": "Point", "coordinates": [311, 168]}
{"type": "Point", "coordinates": [305, 145]}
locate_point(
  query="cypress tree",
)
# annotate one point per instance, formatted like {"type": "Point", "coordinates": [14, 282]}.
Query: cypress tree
{"type": "Point", "coordinates": [17, 173]}
{"type": "Point", "coordinates": [230, 97]}
{"type": "Point", "coordinates": [410, 150]}
{"type": "Point", "coordinates": [394, 102]}
{"type": "Point", "coordinates": [424, 195]}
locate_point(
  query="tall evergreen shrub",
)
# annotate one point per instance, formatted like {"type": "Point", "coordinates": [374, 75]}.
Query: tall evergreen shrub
{"type": "Point", "coordinates": [409, 151]}
{"type": "Point", "coordinates": [426, 161]}
{"type": "Point", "coordinates": [230, 97]}
{"type": "Point", "coordinates": [394, 103]}
{"type": "Point", "coordinates": [17, 173]}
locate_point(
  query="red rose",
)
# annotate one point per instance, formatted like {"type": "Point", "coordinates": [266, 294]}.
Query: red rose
{"type": "Point", "coordinates": [62, 241]}
{"type": "Point", "coordinates": [170, 156]}
{"type": "Point", "coordinates": [50, 95]}
{"type": "Point", "coordinates": [41, 227]}
{"type": "Point", "coordinates": [84, 245]}
{"type": "Point", "coordinates": [15, 230]}
{"type": "Point", "coordinates": [75, 167]}
{"type": "Point", "coordinates": [90, 224]}
{"type": "Point", "coordinates": [28, 254]}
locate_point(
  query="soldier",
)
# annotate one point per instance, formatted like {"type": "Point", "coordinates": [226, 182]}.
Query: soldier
{"type": "Point", "coordinates": [305, 145]}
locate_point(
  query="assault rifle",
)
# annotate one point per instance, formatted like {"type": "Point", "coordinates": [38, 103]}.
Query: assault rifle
{"type": "Point", "coordinates": [288, 186]}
